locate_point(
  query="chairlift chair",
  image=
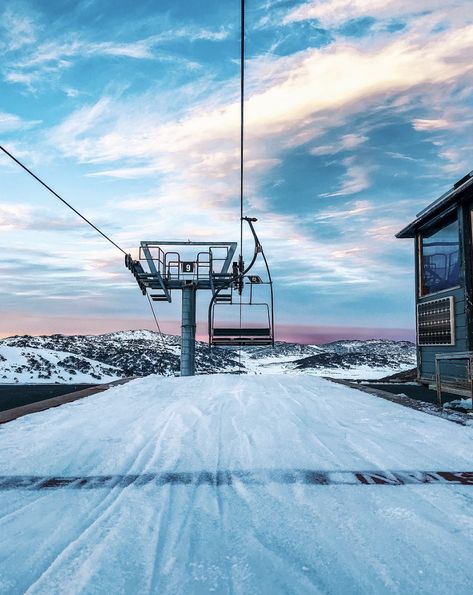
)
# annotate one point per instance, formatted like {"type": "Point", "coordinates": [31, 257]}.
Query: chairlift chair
{"type": "Point", "coordinates": [229, 296]}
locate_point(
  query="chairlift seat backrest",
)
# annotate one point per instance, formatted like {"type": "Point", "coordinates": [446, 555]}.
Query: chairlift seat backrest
{"type": "Point", "coordinates": [242, 332]}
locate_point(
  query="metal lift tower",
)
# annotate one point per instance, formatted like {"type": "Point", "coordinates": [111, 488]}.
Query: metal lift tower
{"type": "Point", "coordinates": [164, 267]}
{"type": "Point", "coordinates": [187, 267]}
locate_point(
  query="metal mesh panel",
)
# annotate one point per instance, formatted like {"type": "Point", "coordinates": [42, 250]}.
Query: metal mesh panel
{"type": "Point", "coordinates": [435, 322]}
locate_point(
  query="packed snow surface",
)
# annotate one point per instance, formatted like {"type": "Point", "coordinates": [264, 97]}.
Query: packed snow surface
{"type": "Point", "coordinates": [262, 536]}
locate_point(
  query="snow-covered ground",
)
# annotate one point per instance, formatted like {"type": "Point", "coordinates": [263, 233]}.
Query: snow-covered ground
{"type": "Point", "coordinates": [25, 365]}
{"type": "Point", "coordinates": [263, 530]}
{"type": "Point", "coordinates": [280, 365]}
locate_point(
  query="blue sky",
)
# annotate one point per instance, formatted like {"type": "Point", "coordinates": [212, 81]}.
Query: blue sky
{"type": "Point", "coordinates": [359, 113]}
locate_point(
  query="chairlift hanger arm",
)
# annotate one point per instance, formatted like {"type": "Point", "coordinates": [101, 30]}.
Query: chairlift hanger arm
{"type": "Point", "coordinates": [237, 280]}
{"type": "Point", "coordinates": [258, 246]}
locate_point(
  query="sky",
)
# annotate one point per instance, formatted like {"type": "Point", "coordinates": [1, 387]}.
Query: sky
{"type": "Point", "coordinates": [358, 114]}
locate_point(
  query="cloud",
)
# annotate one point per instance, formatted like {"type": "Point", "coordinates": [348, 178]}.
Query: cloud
{"type": "Point", "coordinates": [424, 124]}
{"type": "Point", "coordinates": [355, 180]}
{"type": "Point", "coordinates": [346, 143]}
{"type": "Point", "coordinates": [355, 209]}
{"type": "Point", "coordinates": [297, 98]}
{"type": "Point", "coordinates": [292, 100]}
{"type": "Point", "coordinates": [192, 149]}
{"type": "Point", "coordinates": [332, 13]}
{"type": "Point", "coordinates": [12, 122]}
{"type": "Point", "coordinates": [19, 30]}
{"type": "Point", "coordinates": [19, 216]}
{"type": "Point", "coordinates": [28, 65]}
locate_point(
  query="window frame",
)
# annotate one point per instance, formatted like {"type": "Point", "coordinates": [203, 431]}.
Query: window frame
{"type": "Point", "coordinates": [445, 221]}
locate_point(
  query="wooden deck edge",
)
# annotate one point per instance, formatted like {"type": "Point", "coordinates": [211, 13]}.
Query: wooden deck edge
{"type": "Point", "coordinates": [16, 412]}
{"type": "Point", "coordinates": [455, 416]}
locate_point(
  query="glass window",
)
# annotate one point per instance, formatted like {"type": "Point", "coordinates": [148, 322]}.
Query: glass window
{"type": "Point", "coordinates": [440, 258]}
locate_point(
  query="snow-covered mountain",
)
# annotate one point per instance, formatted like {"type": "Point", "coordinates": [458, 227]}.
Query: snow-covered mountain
{"type": "Point", "coordinates": [102, 358]}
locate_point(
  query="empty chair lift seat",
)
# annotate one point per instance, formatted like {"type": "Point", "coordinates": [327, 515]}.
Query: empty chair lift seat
{"type": "Point", "coordinates": [242, 336]}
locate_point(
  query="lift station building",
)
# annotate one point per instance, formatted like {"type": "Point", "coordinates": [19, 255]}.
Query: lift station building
{"type": "Point", "coordinates": [444, 287]}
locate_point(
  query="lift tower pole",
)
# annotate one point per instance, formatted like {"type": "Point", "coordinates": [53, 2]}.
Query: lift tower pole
{"type": "Point", "coordinates": [188, 330]}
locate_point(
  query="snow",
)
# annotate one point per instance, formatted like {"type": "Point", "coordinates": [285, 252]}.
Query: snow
{"type": "Point", "coordinates": [139, 353]}
{"type": "Point", "coordinates": [459, 404]}
{"type": "Point", "coordinates": [356, 373]}
{"type": "Point", "coordinates": [242, 537]}
{"type": "Point", "coordinates": [38, 365]}
{"type": "Point", "coordinates": [282, 364]}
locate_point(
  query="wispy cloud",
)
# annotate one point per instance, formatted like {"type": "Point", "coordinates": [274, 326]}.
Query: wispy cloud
{"type": "Point", "coordinates": [346, 143]}
{"type": "Point", "coordinates": [354, 180]}
{"type": "Point", "coordinates": [429, 124]}
{"type": "Point", "coordinates": [292, 100]}
{"type": "Point", "coordinates": [160, 152]}
{"type": "Point", "coordinates": [11, 122]}
{"type": "Point", "coordinates": [53, 53]}
{"type": "Point", "coordinates": [355, 209]}
{"type": "Point", "coordinates": [24, 216]}
{"type": "Point", "coordinates": [297, 90]}
{"type": "Point", "coordinates": [18, 29]}
{"type": "Point", "coordinates": [334, 12]}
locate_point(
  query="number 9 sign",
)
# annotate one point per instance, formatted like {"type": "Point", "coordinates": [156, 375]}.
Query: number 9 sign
{"type": "Point", "coordinates": [187, 267]}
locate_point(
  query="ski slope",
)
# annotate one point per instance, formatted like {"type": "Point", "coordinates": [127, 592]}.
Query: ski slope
{"type": "Point", "coordinates": [202, 485]}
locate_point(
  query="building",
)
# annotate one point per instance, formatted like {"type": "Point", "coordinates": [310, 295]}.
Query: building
{"type": "Point", "coordinates": [444, 286]}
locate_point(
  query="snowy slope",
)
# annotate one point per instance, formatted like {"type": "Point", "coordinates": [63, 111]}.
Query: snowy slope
{"type": "Point", "coordinates": [30, 365]}
{"type": "Point", "coordinates": [171, 528]}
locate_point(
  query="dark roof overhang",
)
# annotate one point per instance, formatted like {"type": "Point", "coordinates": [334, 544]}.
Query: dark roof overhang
{"type": "Point", "coordinates": [439, 207]}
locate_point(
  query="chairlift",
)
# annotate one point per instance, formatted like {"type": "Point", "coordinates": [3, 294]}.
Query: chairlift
{"type": "Point", "coordinates": [229, 298]}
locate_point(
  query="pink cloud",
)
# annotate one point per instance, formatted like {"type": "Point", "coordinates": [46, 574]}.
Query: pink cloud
{"type": "Point", "coordinates": [86, 325]}
{"type": "Point", "coordinates": [325, 334]}
{"type": "Point", "coordinates": [81, 325]}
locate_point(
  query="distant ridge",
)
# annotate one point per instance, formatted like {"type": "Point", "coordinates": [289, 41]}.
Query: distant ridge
{"type": "Point", "coordinates": [107, 357]}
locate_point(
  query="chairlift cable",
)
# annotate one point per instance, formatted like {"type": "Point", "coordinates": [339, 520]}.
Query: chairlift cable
{"type": "Point", "coordinates": [155, 319]}
{"type": "Point", "coordinates": [38, 179]}
{"type": "Point", "coordinates": [242, 138]}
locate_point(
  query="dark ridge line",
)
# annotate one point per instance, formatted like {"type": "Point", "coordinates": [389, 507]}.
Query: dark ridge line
{"type": "Point", "coordinates": [228, 477]}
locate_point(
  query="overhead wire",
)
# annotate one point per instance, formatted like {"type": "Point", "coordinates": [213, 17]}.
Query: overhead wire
{"type": "Point", "coordinates": [156, 319]}
{"type": "Point", "coordinates": [242, 139]}
{"type": "Point", "coordinates": [38, 179]}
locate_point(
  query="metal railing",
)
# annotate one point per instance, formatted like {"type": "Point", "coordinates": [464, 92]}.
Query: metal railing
{"type": "Point", "coordinates": [442, 357]}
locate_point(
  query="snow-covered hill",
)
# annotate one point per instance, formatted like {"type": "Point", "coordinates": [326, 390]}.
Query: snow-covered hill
{"type": "Point", "coordinates": [360, 359]}
{"type": "Point", "coordinates": [29, 365]}
{"type": "Point", "coordinates": [127, 353]}
{"type": "Point", "coordinates": [342, 359]}
{"type": "Point", "coordinates": [97, 358]}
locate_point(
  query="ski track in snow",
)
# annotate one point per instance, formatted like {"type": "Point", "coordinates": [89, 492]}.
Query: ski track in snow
{"type": "Point", "coordinates": [237, 537]}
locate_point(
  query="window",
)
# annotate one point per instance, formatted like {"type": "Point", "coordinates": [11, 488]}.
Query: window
{"type": "Point", "coordinates": [440, 258]}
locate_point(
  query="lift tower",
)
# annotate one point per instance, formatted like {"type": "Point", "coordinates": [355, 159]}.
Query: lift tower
{"type": "Point", "coordinates": [165, 267]}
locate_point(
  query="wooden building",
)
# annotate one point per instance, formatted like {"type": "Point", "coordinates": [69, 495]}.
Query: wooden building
{"type": "Point", "coordinates": [444, 286]}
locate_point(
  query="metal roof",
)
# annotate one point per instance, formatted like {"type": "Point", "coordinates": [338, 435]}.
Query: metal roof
{"type": "Point", "coordinates": [452, 196]}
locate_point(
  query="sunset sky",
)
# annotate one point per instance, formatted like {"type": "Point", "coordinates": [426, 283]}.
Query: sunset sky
{"type": "Point", "coordinates": [359, 114]}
